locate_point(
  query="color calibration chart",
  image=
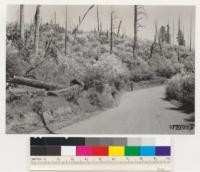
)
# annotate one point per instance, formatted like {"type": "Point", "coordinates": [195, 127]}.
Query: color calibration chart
{"type": "Point", "coordinates": [98, 154]}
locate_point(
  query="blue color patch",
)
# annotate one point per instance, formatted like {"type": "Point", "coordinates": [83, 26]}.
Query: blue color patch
{"type": "Point", "coordinates": [147, 151]}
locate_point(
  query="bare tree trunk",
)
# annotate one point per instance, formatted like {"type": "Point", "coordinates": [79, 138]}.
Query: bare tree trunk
{"type": "Point", "coordinates": [119, 27]}
{"type": "Point", "coordinates": [179, 28]}
{"type": "Point", "coordinates": [55, 18]}
{"type": "Point", "coordinates": [37, 26]}
{"type": "Point", "coordinates": [98, 27]}
{"type": "Point", "coordinates": [22, 22]}
{"type": "Point", "coordinates": [154, 42]}
{"type": "Point", "coordinates": [111, 32]}
{"type": "Point", "coordinates": [178, 53]}
{"type": "Point", "coordinates": [190, 46]}
{"type": "Point", "coordinates": [66, 35]}
{"type": "Point", "coordinates": [81, 20]}
{"type": "Point", "coordinates": [173, 33]}
{"type": "Point", "coordinates": [135, 30]}
{"type": "Point", "coordinates": [184, 35]}
{"type": "Point", "coordinates": [159, 41]}
{"type": "Point", "coordinates": [35, 83]}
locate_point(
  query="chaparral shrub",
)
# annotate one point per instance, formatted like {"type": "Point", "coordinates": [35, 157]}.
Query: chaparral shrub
{"type": "Point", "coordinates": [182, 88]}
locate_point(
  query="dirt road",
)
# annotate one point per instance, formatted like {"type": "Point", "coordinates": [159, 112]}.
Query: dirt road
{"type": "Point", "coordinates": [140, 112]}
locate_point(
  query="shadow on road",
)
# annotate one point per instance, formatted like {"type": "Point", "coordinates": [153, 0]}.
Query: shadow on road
{"type": "Point", "coordinates": [188, 110]}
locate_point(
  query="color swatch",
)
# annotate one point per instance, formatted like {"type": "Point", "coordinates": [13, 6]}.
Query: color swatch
{"type": "Point", "coordinates": [77, 146]}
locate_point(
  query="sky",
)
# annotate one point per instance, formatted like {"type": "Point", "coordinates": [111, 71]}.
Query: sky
{"type": "Point", "coordinates": [161, 14]}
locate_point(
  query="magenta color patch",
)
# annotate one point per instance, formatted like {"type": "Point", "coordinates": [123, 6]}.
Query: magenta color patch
{"type": "Point", "coordinates": [83, 151]}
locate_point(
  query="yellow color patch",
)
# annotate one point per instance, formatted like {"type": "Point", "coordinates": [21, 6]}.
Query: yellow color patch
{"type": "Point", "coordinates": [116, 151]}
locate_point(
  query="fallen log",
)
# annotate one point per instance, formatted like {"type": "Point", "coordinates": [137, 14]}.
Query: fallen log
{"type": "Point", "coordinates": [35, 83]}
{"type": "Point", "coordinates": [68, 93]}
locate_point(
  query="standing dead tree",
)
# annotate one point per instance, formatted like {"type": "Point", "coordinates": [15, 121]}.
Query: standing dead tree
{"type": "Point", "coordinates": [135, 30]}
{"type": "Point", "coordinates": [98, 22]}
{"type": "Point", "coordinates": [79, 24]}
{"type": "Point", "coordinates": [159, 41]}
{"type": "Point", "coordinates": [173, 33]}
{"type": "Point", "coordinates": [66, 35]}
{"type": "Point", "coordinates": [139, 14]}
{"type": "Point", "coordinates": [55, 18]}
{"type": "Point", "coordinates": [113, 18]}
{"type": "Point", "coordinates": [119, 27]}
{"type": "Point", "coordinates": [190, 46]}
{"type": "Point", "coordinates": [44, 57]}
{"type": "Point", "coordinates": [156, 42]}
{"type": "Point", "coordinates": [22, 22]}
{"type": "Point", "coordinates": [37, 26]}
{"type": "Point", "coordinates": [111, 32]}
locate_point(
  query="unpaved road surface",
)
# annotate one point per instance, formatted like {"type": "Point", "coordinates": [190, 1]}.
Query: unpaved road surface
{"type": "Point", "coordinates": [140, 112]}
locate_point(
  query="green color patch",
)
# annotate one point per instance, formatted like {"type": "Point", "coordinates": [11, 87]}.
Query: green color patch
{"type": "Point", "coordinates": [132, 151]}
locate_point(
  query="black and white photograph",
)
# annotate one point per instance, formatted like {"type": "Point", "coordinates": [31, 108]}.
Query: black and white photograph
{"type": "Point", "coordinates": [100, 69]}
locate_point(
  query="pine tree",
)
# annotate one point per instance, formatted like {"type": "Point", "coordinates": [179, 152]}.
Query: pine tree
{"type": "Point", "coordinates": [168, 35]}
{"type": "Point", "coordinates": [162, 34]}
{"type": "Point", "coordinates": [180, 36]}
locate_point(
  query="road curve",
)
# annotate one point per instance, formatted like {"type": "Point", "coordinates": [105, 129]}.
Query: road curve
{"type": "Point", "coordinates": [142, 111]}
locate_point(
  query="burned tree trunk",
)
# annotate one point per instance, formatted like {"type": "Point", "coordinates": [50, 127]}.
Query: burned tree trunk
{"type": "Point", "coordinates": [66, 35]}
{"type": "Point", "coordinates": [111, 32]}
{"type": "Point", "coordinates": [55, 22]}
{"type": "Point", "coordinates": [37, 26]}
{"type": "Point", "coordinates": [190, 46]}
{"type": "Point", "coordinates": [119, 27]}
{"type": "Point", "coordinates": [135, 30]}
{"type": "Point", "coordinates": [34, 83]}
{"type": "Point", "coordinates": [98, 23]}
{"type": "Point", "coordinates": [22, 22]}
{"type": "Point", "coordinates": [80, 22]}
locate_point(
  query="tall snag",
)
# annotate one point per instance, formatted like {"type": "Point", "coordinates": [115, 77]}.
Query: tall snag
{"type": "Point", "coordinates": [111, 32]}
{"type": "Point", "coordinates": [22, 22]}
{"type": "Point", "coordinates": [139, 14]}
{"type": "Point", "coordinates": [156, 42]}
{"type": "Point", "coordinates": [37, 26]}
{"type": "Point", "coordinates": [81, 19]}
{"type": "Point", "coordinates": [66, 35]}
{"type": "Point", "coordinates": [119, 27]}
{"type": "Point", "coordinates": [190, 46]}
{"type": "Point", "coordinates": [98, 22]}
{"type": "Point", "coordinates": [135, 30]}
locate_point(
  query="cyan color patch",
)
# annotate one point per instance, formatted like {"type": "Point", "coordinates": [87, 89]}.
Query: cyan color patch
{"type": "Point", "coordinates": [147, 151]}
